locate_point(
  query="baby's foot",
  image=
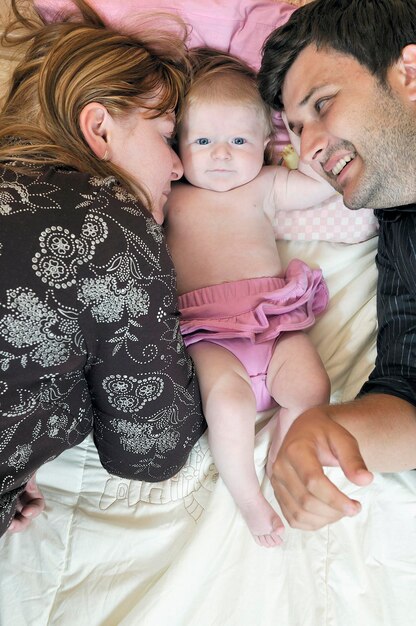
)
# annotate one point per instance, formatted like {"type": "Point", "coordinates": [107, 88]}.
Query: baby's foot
{"type": "Point", "coordinates": [30, 504]}
{"type": "Point", "coordinates": [263, 522]}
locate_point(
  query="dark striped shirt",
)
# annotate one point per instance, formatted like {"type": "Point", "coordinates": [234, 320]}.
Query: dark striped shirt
{"type": "Point", "coordinates": [395, 368]}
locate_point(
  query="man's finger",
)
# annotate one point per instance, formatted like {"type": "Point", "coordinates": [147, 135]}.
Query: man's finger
{"type": "Point", "coordinates": [304, 519]}
{"type": "Point", "coordinates": [311, 476]}
{"type": "Point", "coordinates": [351, 461]}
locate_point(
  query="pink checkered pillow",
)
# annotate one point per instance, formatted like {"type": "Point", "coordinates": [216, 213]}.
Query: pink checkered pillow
{"type": "Point", "coordinates": [328, 221]}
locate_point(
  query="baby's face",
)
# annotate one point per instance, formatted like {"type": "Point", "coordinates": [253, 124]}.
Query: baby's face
{"type": "Point", "coordinates": [221, 145]}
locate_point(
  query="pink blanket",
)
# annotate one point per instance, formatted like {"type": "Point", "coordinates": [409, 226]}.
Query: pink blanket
{"type": "Point", "coordinates": [238, 26]}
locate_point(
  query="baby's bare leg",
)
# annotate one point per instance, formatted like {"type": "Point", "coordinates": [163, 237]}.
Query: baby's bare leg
{"type": "Point", "coordinates": [297, 380]}
{"type": "Point", "coordinates": [230, 409]}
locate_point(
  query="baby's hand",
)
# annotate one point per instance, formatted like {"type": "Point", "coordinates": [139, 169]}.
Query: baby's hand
{"type": "Point", "coordinates": [290, 157]}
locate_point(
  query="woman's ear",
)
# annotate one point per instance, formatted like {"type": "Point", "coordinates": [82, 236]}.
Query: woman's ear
{"type": "Point", "coordinates": [94, 122]}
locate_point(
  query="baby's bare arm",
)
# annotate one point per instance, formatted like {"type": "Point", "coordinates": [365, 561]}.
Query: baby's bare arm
{"type": "Point", "coordinates": [294, 190]}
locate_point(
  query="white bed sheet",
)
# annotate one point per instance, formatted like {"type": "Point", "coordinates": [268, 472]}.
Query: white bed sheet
{"type": "Point", "coordinates": [113, 552]}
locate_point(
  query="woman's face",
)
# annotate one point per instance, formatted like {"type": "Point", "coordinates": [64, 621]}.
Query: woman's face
{"type": "Point", "coordinates": [140, 145]}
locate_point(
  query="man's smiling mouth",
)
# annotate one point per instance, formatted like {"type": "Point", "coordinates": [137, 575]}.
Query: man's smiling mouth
{"type": "Point", "coordinates": [339, 166]}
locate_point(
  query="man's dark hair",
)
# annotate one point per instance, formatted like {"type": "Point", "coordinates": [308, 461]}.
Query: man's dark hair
{"type": "Point", "coordinates": [374, 32]}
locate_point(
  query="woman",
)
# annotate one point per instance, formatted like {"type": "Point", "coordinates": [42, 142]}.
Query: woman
{"type": "Point", "coordinates": [89, 334]}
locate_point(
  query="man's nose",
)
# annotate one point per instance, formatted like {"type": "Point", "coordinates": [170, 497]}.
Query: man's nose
{"type": "Point", "coordinates": [313, 143]}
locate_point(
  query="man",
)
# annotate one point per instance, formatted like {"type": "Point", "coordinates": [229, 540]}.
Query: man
{"type": "Point", "coordinates": [344, 71]}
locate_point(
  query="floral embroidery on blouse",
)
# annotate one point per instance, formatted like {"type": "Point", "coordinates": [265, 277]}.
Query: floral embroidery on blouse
{"type": "Point", "coordinates": [89, 333]}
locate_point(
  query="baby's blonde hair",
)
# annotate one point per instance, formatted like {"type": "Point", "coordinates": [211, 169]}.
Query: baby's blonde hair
{"type": "Point", "coordinates": [221, 77]}
{"type": "Point", "coordinates": [71, 63]}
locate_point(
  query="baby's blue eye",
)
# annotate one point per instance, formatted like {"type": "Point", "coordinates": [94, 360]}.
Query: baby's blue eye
{"type": "Point", "coordinates": [239, 141]}
{"type": "Point", "coordinates": [202, 141]}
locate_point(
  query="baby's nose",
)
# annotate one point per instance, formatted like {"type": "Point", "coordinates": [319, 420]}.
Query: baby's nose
{"type": "Point", "coordinates": [221, 151]}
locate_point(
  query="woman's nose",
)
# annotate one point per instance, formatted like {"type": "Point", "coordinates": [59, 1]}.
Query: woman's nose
{"type": "Point", "coordinates": [177, 167]}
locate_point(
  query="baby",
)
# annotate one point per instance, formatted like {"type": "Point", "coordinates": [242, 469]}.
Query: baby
{"type": "Point", "coordinates": [242, 316]}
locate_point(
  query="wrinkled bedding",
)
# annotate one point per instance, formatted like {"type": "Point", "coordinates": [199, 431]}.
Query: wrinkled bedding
{"type": "Point", "coordinates": [108, 551]}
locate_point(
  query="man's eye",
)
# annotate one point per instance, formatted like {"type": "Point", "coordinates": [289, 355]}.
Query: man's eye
{"type": "Point", "coordinates": [202, 141]}
{"type": "Point", "coordinates": [239, 141]}
{"type": "Point", "coordinates": [319, 104]}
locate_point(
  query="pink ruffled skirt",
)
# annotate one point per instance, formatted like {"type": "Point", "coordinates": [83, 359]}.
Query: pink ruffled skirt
{"type": "Point", "coordinates": [258, 309]}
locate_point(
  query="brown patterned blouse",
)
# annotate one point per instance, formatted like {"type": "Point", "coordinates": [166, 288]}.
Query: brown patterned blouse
{"type": "Point", "coordinates": [89, 334]}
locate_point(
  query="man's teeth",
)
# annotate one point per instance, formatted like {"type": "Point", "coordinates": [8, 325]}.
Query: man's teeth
{"type": "Point", "coordinates": [341, 164]}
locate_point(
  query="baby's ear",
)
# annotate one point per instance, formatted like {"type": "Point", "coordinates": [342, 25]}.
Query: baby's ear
{"type": "Point", "coordinates": [269, 152]}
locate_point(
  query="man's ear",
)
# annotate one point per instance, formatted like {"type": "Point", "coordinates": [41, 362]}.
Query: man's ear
{"type": "Point", "coordinates": [95, 122]}
{"type": "Point", "coordinates": [408, 59]}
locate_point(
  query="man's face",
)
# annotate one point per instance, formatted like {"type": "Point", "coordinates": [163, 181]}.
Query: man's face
{"type": "Point", "coordinates": [359, 135]}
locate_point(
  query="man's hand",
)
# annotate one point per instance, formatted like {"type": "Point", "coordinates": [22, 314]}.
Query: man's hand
{"type": "Point", "coordinates": [308, 499]}
{"type": "Point", "coordinates": [30, 504]}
